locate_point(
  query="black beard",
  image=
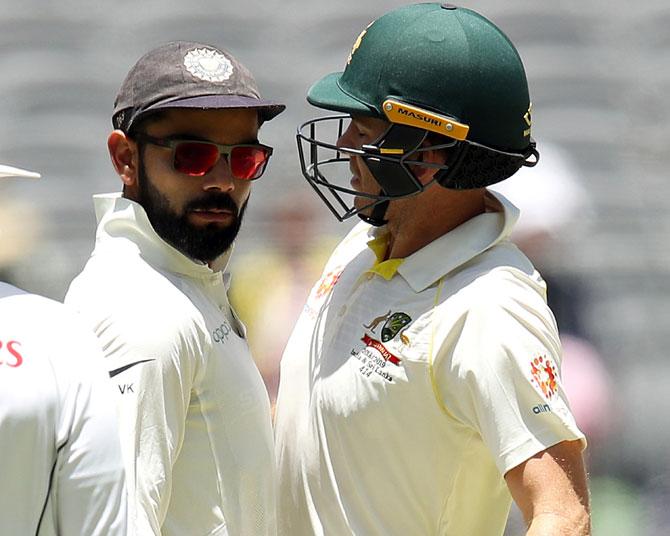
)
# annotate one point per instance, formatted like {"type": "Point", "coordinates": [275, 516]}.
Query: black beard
{"type": "Point", "coordinates": [203, 243]}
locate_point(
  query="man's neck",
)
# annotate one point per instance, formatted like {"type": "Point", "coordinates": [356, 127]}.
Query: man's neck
{"type": "Point", "coordinates": [430, 218]}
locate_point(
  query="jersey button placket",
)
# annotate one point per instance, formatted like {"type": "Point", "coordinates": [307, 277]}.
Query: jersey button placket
{"type": "Point", "coordinates": [353, 296]}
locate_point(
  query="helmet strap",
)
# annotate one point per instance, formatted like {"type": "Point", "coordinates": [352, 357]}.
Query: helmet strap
{"type": "Point", "coordinates": [377, 216]}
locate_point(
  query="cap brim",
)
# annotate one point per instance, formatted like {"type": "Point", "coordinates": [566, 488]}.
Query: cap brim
{"type": "Point", "coordinates": [327, 93]}
{"type": "Point", "coordinates": [9, 171]}
{"type": "Point", "coordinates": [267, 109]}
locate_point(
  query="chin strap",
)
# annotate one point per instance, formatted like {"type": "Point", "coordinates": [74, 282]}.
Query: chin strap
{"type": "Point", "coordinates": [376, 217]}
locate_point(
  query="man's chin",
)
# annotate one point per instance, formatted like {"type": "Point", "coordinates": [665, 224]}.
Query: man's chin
{"type": "Point", "coordinates": [362, 205]}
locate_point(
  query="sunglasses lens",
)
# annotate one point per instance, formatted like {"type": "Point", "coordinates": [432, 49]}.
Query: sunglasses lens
{"type": "Point", "coordinates": [248, 162]}
{"type": "Point", "coordinates": [194, 158]}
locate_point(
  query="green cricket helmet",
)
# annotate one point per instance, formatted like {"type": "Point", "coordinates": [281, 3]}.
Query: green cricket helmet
{"type": "Point", "coordinates": [444, 77]}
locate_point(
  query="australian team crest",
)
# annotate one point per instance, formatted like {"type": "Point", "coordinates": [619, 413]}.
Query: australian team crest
{"type": "Point", "coordinates": [393, 325]}
{"type": "Point", "coordinates": [209, 65]}
{"type": "Point", "coordinates": [375, 356]}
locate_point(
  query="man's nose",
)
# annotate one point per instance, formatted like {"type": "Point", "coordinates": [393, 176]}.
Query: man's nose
{"type": "Point", "coordinates": [219, 177]}
{"type": "Point", "coordinates": [345, 138]}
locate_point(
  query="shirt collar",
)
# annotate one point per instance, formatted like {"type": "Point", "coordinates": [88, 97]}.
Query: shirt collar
{"type": "Point", "coordinates": [385, 268]}
{"type": "Point", "coordinates": [451, 250]}
{"type": "Point", "coordinates": [123, 220]}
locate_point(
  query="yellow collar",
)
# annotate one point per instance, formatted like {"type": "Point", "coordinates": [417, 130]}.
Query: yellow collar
{"type": "Point", "coordinates": [385, 268]}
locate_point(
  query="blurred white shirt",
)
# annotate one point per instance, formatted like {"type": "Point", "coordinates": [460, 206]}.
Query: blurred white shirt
{"type": "Point", "coordinates": [60, 460]}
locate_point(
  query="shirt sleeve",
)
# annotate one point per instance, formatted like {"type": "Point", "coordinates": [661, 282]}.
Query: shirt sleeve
{"type": "Point", "coordinates": [89, 479]}
{"type": "Point", "coordinates": [153, 367]}
{"type": "Point", "coordinates": [497, 370]}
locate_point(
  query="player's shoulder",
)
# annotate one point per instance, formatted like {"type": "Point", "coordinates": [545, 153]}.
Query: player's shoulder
{"type": "Point", "coordinates": [501, 265]}
{"type": "Point", "coordinates": [137, 308]}
{"type": "Point", "coordinates": [499, 303]}
{"type": "Point", "coordinates": [495, 280]}
{"type": "Point", "coordinates": [19, 307]}
{"type": "Point", "coordinates": [38, 330]}
{"type": "Point", "coordinates": [505, 256]}
{"type": "Point", "coordinates": [133, 289]}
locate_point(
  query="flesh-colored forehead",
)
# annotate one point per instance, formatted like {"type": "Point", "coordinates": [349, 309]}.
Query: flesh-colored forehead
{"type": "Point", "coordinates": [234, 123]}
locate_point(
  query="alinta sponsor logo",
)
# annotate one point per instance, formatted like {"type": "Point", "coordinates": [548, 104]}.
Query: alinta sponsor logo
{"type": "Point", "coordinates": [541, 408]}
{"type": "Point", "coordinates": [543, 374]}
{"type": "Point", "coordinates": [420, 117]}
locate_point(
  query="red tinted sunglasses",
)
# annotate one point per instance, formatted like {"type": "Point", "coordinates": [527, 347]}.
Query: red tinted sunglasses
{"type": "Point", "coordinates": [197, 158]}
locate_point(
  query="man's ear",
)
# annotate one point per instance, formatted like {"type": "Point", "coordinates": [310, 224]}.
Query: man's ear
{"type": "Point", "coordinates": [124, 153]}
{"type": "Point", "coordinates": [433, 156]}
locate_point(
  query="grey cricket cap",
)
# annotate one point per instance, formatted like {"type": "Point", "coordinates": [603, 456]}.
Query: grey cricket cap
{"type": "Point", "coordinates": [184, 74]}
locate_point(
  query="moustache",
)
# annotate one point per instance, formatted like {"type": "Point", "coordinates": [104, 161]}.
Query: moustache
{"type": "Point", "coordinates": [213, 201]}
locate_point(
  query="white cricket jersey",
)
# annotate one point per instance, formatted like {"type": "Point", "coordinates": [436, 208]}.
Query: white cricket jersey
{"type": "Point", "coordinates": [409, 387]}
{"type": "Point", "coordinates": [61, 472]}
{"type": "Point", "coordinates": [195, 419]}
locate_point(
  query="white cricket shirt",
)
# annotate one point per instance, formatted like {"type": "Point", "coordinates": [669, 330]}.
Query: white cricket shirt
{"type": "Point", "coordinates": [194, 413]}
{"type": "Point", "coordinates": [61, 472]}
{"type": "Point", "coordinates": [410, 387]}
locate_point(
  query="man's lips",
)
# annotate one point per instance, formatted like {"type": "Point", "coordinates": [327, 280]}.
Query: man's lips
{"type": "Point", "coordinates": [212, 214]}
{"type": "Point", "coordinates": [212, 209]}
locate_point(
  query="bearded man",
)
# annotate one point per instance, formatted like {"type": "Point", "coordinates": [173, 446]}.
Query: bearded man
{"type": "Point", "coordinates": [194, 414]}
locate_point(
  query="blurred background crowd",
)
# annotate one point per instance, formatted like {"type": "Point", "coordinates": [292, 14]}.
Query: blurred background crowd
{"type": "Point", "coordinates": [596, 211]}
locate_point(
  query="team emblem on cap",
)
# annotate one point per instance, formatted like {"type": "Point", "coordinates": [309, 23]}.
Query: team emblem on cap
{"type": "Point", "coordinates": [527, 118]}
{"type": "Point", "coordinates": [207, 64]}
{"type": "Point", "coordinates": [357, 43]}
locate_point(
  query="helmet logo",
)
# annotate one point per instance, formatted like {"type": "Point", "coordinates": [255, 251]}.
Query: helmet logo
{"type": "Point", "coordinates": [358, 43]}
{"type": "Point", "coordinates": [406, 114]}
{"type": "Point", "coordinates": [528, 120]}
{"type": "Point", "coordinates": [209, 65]}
